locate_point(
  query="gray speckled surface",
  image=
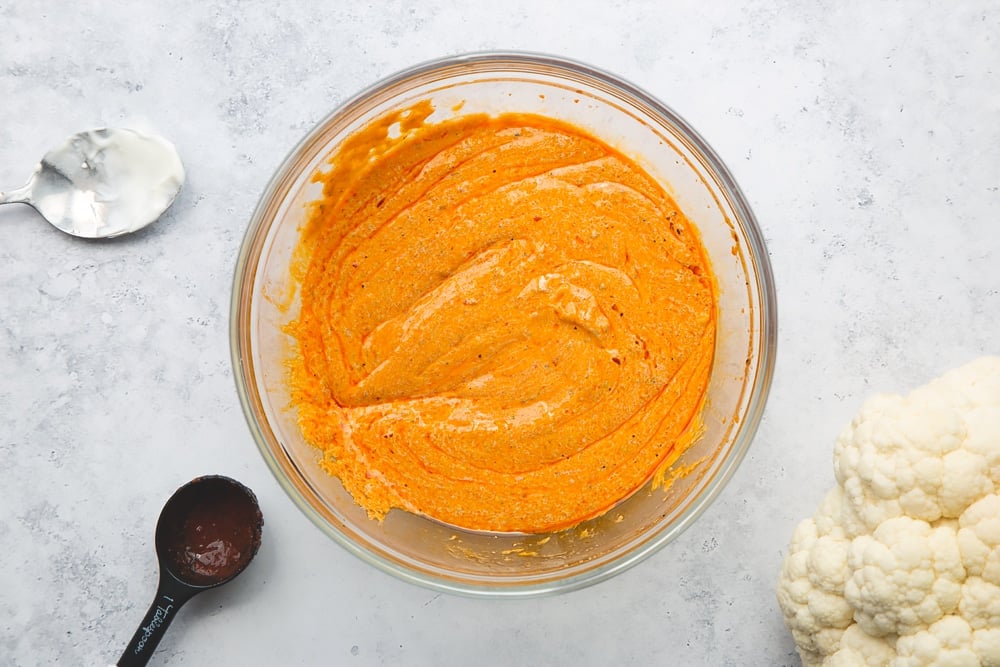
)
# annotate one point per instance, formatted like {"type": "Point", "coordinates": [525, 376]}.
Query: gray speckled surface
{"type": "Point", "coordinates": [868, 143]}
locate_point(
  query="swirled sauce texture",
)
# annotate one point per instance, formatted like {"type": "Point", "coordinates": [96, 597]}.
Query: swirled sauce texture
{"type": "Point", "coordinates": [506, 324]}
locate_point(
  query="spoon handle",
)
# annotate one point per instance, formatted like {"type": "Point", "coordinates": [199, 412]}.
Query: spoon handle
{"type": "Point", "coordinates": [170, 595]}
{"type": "Point", "coordinates": [21, 195]}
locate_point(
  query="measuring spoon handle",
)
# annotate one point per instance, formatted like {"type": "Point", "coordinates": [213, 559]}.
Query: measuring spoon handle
{"type": "Point", "coordinates": [170, 595]}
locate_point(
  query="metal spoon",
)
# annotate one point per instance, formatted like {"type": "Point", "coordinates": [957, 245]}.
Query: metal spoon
{"type": "Point", "coordinates": [207, 534]}
{"type": "Point", "coordinates": [103, 183]}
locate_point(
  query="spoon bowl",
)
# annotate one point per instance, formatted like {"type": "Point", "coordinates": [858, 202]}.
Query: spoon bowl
{"type": "Point", "coordinates": [207, 534]}
{"type": "Point", "coordinates": [103, 183]}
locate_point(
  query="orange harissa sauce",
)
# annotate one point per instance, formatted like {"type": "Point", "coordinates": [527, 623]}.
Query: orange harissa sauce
{"type": "Point", "coordinates": [505, 324]}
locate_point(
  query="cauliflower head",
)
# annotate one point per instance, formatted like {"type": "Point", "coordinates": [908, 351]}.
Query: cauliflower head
{"type": "Point", "coordinates": [900, 565]}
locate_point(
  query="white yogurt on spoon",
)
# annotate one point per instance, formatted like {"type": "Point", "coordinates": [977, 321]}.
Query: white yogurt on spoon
{"type": "Point", "coordinates": [104, 183]}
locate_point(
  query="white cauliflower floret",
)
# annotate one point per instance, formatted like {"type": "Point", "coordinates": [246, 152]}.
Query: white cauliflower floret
{"type": "Point", "coordinates": [967, 387]}
{"type": "Point", "coordinates": [979, 538]}
{"type": "Point", "coordinates": [900, 566]}
{"type": "Point", "coordinates": [982, 424]}
{"type": "Point", "coordinates": [974, 390]}
{"type": "Point", "coordinates": [905, 457]}
{"type": "Point", "coordinates": [859, 649]}
{"type": "Point", "coordinates": [946, 643]}
{"type": "Point", "coordinates": [811, 586]}
{"type": "Point", "coordinates": [980, 603]}
{"type": "Point", "coordinates": [986, 644]}
{"type": "Point", "coordinates": [904, 576]}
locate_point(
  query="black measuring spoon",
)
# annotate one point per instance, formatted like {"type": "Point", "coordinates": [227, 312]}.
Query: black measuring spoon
{"type": "Point", "coordinates": [207, 533]}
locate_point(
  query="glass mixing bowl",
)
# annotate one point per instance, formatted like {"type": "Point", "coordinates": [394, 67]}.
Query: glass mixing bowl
{"type": "Point", "coordinates": [442, 557]}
